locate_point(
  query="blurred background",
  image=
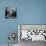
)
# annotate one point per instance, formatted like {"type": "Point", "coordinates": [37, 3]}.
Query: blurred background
{"type": "Point", "coordinates": [28, 12]}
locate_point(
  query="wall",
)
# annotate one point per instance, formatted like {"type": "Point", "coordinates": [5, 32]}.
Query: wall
{"type": "Point", "coordinates": [28, 12]}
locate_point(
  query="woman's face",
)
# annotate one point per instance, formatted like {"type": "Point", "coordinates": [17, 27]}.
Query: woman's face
{"type": "Point", "coordinates": [10, 13]}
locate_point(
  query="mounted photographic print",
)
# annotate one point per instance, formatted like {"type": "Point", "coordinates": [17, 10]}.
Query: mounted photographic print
{"type": "Point", "coordinates": [33, 32]}
{"type": "Point", "coordinates": [10, 12]}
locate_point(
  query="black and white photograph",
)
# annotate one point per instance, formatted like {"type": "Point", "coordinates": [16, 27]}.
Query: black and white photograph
{"type": "Point", "coordinates": [10, 12]}
{"type": "Point", "coordinates": [31, 34]}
